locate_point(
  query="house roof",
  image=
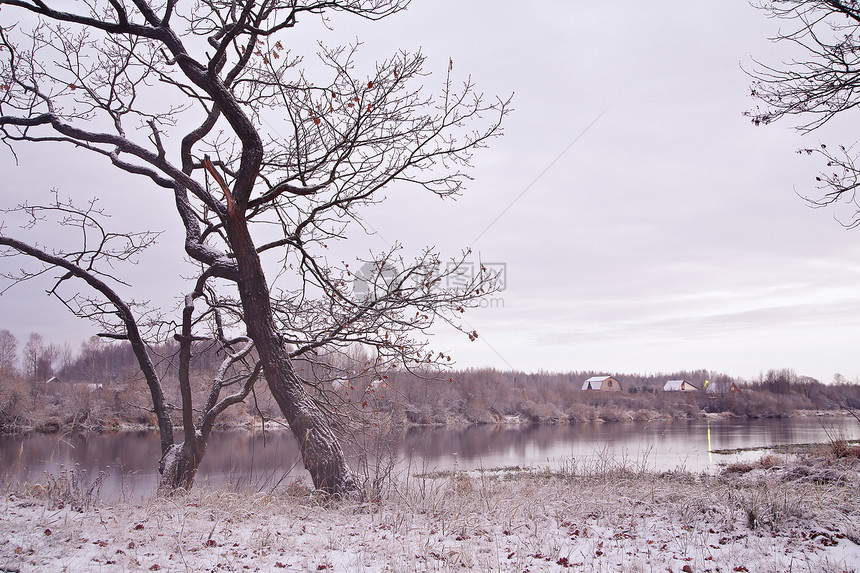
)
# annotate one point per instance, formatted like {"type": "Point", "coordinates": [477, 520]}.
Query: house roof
{"type": "Point", "coordinates": [595, 382]}
{"type": "Point", "coordinates": [673, 385]}
{"type": "Point", "coordinates": [677, 385]}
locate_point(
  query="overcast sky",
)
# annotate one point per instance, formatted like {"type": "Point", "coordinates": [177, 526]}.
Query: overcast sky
{"type": "Point", "coordinates": [645, 224]}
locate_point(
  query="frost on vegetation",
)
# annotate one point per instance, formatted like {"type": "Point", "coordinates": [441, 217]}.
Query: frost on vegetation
{"type": "Point", "coordinates": [67, 486]}
{"type": "Point", "coordinates": [481, 521]}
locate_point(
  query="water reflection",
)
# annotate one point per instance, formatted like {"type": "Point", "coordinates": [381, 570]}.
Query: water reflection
{"type": "Point", "coordinates": [261, 460]}
{"type": "Point", "coordinates": [664, 445]}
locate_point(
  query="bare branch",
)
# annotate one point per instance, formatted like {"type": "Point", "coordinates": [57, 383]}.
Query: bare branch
{"type": "Point", "coordinates": [822, 84]}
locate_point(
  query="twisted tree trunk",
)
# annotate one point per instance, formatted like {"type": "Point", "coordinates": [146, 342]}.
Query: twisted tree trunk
{"type": "Point", "coordinates": [321, 452]}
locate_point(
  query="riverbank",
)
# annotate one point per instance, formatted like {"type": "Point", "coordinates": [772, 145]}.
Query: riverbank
{"type": "Point", "coordinates": [403, 399]}
{"type": "Point", "coordinates": [249, 422]}
{"type": "Point", "coordinates": [781, 514]}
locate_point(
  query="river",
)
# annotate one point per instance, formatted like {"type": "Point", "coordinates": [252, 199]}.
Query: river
{"type": "Point", "coordinates": [239, 459]}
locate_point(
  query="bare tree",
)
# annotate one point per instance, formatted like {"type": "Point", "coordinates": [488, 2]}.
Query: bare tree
{"type": "Point", "coordinates": [45, 364]}
{"type": "Point", "coordinates": [185, 94]}
{"type": "Point", "coordinates": [100, 250]}
{"type": "Point", "coordinates": [816, 86]}
{"type": "Point", "coordinates": [32, 354]}
{"type": "Point", "coordinates": [8, 352]}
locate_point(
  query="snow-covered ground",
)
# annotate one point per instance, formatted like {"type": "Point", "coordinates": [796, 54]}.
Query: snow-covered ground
{"type": "Point", "coordinates": [778, 517]}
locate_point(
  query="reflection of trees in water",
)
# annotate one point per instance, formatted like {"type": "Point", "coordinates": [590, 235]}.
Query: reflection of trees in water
{"type": "Point", "coordinates": [246, 458]}
{"type": "Point", "coordinates": [236, 457]}
{"type": "Point", "coordinates": [752, 433]}
{"type": "Point", "coordinates": [31, 455]}
{"type": "Point", "coordinates": [257, 459]}
{"type": "Point", "coordinates": [729, 434]}
{"type": "Point", "coordinates": [526, 441]}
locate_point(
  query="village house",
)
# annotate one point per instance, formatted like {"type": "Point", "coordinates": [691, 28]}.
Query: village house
{"type": "Point", "coordinates": [721, 387]}
{"type": "Point", "coordinates": [679, 386]}
{"type": "Point", "coordinates": [602, 383]}
{"type": "Point", "coordinates": [56, 382]}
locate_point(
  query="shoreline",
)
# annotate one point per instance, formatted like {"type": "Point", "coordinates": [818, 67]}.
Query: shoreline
{"type": "Point", "coordinates": [254, 424]}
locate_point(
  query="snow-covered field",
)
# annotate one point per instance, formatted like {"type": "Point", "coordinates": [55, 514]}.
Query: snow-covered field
{"type": "Point", "coordinates": [781, 516]}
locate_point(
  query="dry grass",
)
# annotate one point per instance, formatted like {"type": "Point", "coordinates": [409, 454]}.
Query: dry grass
{"type": "Point", "coordinates": [598, 518]}
{"type": "Point", "coordinates": [72, 487]}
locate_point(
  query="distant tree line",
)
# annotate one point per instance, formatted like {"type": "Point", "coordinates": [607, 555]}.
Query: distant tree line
{"type": "Point", "coordinates": [49, 387]}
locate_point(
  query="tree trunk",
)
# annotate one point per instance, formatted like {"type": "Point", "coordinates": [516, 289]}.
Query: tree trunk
{"type": "Point", "coordinates": [321, 453]}
{"type": "Point", "coordinates": [178, 468]}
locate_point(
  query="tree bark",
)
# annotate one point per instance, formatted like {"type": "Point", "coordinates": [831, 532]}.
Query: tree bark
{"type": "Point", "coordinates": [321, 452]}
{"type": "Point", "coordinates": [178, 467]}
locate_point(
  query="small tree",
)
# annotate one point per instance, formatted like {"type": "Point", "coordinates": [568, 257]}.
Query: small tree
{"type": "Point", "coordinates": [33, 351]}
{"type": "Point", "coordinates": [185, 94]}
{"type": "Point", "coordinates": [8, 353]}
{"type": "Point", "coordinates": [816, 86]}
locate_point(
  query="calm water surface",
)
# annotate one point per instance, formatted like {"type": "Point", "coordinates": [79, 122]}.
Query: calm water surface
{"type": "Point", "coordinates": [261, 460]}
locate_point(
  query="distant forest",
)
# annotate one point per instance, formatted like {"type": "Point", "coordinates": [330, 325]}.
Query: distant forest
{"type": "Point", "coordinates": [51, 388]}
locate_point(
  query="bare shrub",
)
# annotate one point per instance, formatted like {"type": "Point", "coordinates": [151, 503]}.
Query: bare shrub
{"type": "Point", "coordinates": [541, 413]}
{"type": "Point", "coordinates": [842, 449]}
{"type": "Point", "coordinates": [612, 413]}
{"type": "Point", "coordinates": [642, 415]}
{"type": "Point", "coordinates": [374, 440]}
{"type": "Point", "coordinates": [475, 413]}
{"type": "Point", "coordinates": [71, 487]}
{"type": "Point", "coordinates": [13, 393]}
{"type": "Point", "coordinates": [577, 412]}
{"type": "Point", "coordinates": [738, 468]}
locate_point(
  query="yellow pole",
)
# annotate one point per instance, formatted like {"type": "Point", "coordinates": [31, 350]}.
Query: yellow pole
{"type": "Point", "coordinates": [710, 457]}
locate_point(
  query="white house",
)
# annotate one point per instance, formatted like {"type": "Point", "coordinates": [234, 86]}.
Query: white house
{"type": "Point", "coordinates": [679, 386]}
{"type": "Point", "coordinates": [602, 383]}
